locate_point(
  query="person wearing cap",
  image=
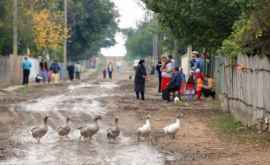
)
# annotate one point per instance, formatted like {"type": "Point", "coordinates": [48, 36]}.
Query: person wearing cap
{"type": "Point", "coordinates": [140, 77]}
{"type": "Point", "coordinates": [166, 74]}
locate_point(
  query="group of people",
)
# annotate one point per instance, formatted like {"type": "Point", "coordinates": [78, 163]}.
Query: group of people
{"type": "Point", "coordinates": [108, 71]}
{"type": "Point", "coordinates": [173, 82]}
{"type": "Point", "coordinates": [48, 74]}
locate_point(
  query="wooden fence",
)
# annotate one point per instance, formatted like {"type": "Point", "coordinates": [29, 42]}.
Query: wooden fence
{"type": "Point", "coordinates": [244, 87]}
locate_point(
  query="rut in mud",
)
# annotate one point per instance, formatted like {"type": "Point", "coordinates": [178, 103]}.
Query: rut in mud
{"type": "Point", "coordinates": [81, 102]}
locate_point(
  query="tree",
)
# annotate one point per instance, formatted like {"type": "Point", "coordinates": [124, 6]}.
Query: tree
{"type": "Point", "coordinates": [5, 27]}
{"type": "Point", "coordinates": [201, 23]}
{"type": "Point", "coordinates": [251, 35]}
{"type": "Point", "coordinates": [139, 43]}
{"type": "Point", "coordinates": [93, 24]}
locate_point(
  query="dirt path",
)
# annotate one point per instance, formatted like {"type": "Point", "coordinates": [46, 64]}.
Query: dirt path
{"type": "Point", "coordinates": [196, 143]}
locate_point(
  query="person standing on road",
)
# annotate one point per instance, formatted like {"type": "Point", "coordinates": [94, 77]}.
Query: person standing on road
{"type": "Point", "coordinates": [55, 68]}
{"type": "Point", "coordinates": [199, 83]}
{"type": "Point", "coordinates": [44, 71]}
{"type": "Point", "coordinates": [104, 73]}
{"type": "Point", "coordinates": [110, 69]}
{"type": "Point", "coordinates": [78, 71]}
{"type": "Point", "coordinates": [166, 74]}
{"type": "Point", "coordinates": [70, 70]}
{"type": "Point", "coordinates": [158, 68]}
{"type": "Point", "coordinates": [140, 77]}
{"type": "Point", "coordinates": [26, 67]}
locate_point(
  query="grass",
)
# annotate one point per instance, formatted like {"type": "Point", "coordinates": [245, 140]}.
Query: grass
{"type": "Point", "coordinates": [228, 128]}
{"type": "Point", "coordinates": [23, 90]}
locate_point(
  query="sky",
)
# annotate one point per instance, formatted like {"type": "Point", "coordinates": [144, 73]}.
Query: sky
{"type": "Point", "coordinates": [130, 13]}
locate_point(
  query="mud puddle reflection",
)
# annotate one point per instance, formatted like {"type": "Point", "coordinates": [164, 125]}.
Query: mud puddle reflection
{"type": "Point", "coordinates": [81, 102]}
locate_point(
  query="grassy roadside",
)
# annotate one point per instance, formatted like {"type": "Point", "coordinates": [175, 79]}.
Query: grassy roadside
{"type": "Point", "coordinates": [231, 130]}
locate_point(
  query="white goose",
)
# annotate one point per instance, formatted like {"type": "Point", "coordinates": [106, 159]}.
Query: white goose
{"type": "Point", "coordinates": [113, 133]}
{"type": "Point", "coordinates": [39, 132]}
{"type": "Point", "coordinates": [64, 130]}
{"type": "Point", "coordinates": [176, 100]}
{"type": "Point", "coordinates": [145, 130]}
{"type": "Point", "coordinates": [173, 128]}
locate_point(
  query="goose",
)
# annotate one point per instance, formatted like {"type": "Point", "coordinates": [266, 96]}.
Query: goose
{"type": "Point", "coordinates": [113, 133]}
{"type": "Point", "coordinates": [39, 132]}
{"type": "Point", "coordinates": [173, 128]}
{"type": "Point", "coordinates": [64, 130]}
{"type": "Point", "coordinates": [176, 100]}
{"type": "Point", "coordinates": [90, 130]}
{"type": "Point", "coordinates": [145, 130]}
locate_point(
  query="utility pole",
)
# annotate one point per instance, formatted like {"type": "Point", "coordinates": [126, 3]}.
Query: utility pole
{"type": "Point", "coordinates": [65, 42]}
{"type": "Point", "coordinates": [15, 27]}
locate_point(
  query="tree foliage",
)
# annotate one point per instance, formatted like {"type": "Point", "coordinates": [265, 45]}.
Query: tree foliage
{"type": "Point", "coordinates": [139, 42]}
{"type": "Point", "coordinates": [91, 26]}
{"type": "Point", "coordinates": [201, 23]}
{"type": "Point", "coordinates": [251, 35]}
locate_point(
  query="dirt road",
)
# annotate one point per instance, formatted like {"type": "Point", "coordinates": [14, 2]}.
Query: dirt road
{"type": "Point", "coordinates": [196, 142]}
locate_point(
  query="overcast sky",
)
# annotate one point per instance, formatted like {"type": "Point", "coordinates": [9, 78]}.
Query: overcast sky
{"type": "Point", "coordinates": [130, 13]}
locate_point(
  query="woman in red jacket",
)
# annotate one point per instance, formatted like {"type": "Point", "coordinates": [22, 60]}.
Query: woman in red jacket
{"type": "Point", "coordinates": [166, 73]}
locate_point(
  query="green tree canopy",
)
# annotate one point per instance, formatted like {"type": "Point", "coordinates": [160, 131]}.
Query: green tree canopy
{"type": "Point", "coordinates": [93, 24]}
{"type": "Point", "coordinates": [139, 42]}
{"type": "Point", "coordinates": [201, 23]}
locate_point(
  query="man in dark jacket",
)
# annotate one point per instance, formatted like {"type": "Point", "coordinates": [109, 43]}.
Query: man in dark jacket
{"type": "Point", "coordinates": [71, 71]}
{"type": "Point", "coordinates": [140, 77]}
{"type": "Point", "coordinates": [174, 85]}
{"type": "Point", "coordinates": [55, 68]}
{"type": "Point", "coordinates": [158, 68]}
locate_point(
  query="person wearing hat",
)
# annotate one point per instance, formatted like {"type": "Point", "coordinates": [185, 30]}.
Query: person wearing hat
{"type": "Point", "coordinates": [166, 74]}
{"type": "Point", "coordinates": [140, 77]}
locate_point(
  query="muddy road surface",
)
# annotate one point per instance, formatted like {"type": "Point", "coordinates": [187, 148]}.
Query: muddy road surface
{"type": "Point", "coordinates": [81, 102]}
{"type": "Point", "coordinates": [196, 143]}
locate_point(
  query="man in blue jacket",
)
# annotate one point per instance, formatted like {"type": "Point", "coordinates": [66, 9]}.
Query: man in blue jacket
{"type": "Point", "coordinates": [26, 67]}
{"type": "Point", "coordinates": [174, 84]}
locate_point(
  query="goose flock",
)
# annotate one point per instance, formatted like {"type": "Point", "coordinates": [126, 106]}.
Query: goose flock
{"type": "Point", "coordinates": [88, 131]}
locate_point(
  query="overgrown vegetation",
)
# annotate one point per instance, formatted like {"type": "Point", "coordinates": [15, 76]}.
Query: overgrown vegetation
{"type": "Point", "coordinates": [229, 26]}
{"type": "Point", "coordinates": [251, 33]}
{"type": "Point", "coordinates": [228, 128]}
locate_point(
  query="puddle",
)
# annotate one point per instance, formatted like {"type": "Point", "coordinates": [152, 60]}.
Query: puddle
{"type": "Point", "coordinates": [72, 151]}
